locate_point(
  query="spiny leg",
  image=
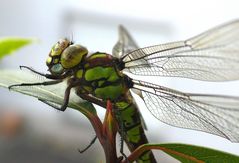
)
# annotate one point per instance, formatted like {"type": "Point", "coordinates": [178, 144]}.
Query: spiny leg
{"type": "Point", "coordinates": [89, 145]}
{"type": "Point", "coordinates": [32, 70]}
{"type": "Point", "coordinates": [52, 104]}
{"type": "Point", "coordinates": [34, 84]}
{"type": "Point", "coordinates": [93, 100]}
{"type": "Point", "coordinates": [118, 117]}
{"type": "Point", "coordinates": [122, 144]}
{"type": "Point", "coordinates": [109, 108]}
{"type": "Point", "coordinates": [122, 133]}
{"type": "Point", "coordinates": [63, 107]}
{"type": "Point", "coordinates": [48, 76]}
{"type": "Point", "coordinates": [66, 98]}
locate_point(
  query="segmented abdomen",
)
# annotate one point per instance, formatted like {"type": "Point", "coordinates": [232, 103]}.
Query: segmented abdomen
{"type": "Point", "coordinates": [129, 120]}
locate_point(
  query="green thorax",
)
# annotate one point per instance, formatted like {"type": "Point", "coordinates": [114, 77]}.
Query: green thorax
{"type": "Point", "coordinates": [101, 78]}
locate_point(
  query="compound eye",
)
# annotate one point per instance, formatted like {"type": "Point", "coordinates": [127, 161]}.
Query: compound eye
{"type": "Point", "coordinates": [57, 69]}
{"type": "Point", "coordinates": [73, 55]}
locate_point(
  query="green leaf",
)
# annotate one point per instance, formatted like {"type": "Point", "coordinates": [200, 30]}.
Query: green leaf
{"type": "Point", "coordinates": [52, 94]}
{"type": "Point", "coordinates": [10, 45]}
{"type": "Point", "coordinates": [187, 153]}
{"type": "Point", "coordinates": [191, 154]}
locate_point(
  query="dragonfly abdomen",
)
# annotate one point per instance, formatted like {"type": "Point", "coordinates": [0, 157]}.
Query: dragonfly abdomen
{"type": "Point", "coordinates": [128, 117]}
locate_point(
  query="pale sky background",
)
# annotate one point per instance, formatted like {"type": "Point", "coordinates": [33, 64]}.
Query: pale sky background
{"type": "Point", "coordinates": [93, 23]}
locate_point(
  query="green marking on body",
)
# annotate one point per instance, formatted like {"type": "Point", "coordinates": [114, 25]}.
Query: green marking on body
{"type": "Point", "coordinates": [98, 55]}
{"type": "Point", "coordinates": [127, 116]}
{"type": "Point", "coordinates": [101, 72]}
{"type": "Point", "coordinates": [113, 76]}
{"type": "Point", "coordinates": [49, 59]}
{"type": "Point", "coordinates": [109, 92]}
{"type": "Point", "coordinates": [87, 88]}
{"type": "Point", "coordinates": [122, 105]}
{"type": "Point", "coordinates": [79, 74]}
{"type": "Point", "coordinates": [144, 161]}
{"type": "Point", "coordinates": [56, 60]}
{"type": "Point", "coordinates": [86, 65]}
{"type": "Point", "coordinates": [100, 83]}
{"type": "Point", "coordinates": [145, 156]}
{"type": "Point", "coordinates": [134, 134]}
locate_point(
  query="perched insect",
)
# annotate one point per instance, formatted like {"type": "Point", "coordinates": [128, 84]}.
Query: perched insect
{"type": "Point", "coordinates": [97, 77]}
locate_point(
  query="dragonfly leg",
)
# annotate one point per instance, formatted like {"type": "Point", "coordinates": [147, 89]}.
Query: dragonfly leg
{"type": "Point", "coordinates": [122, 134]}
{"type": "Point", "coordinates": [88, 146]}
{"type": "Point", "coordinates": [55, 106]}
{"type": "Point", "coordinates": [48, 76]}
{"type": "Point", "coordinates": [32, 84]}
{"type": "Point", "coordinates": [49, 103]}
{"type": "Point", "coordinates": [92, 99]}
{"type": "Point", "coordinates": [66, 98]}
{"type": "Point", "coordinates": [122, 148]}
{"type": "Point", "coordinates": [120, 159]}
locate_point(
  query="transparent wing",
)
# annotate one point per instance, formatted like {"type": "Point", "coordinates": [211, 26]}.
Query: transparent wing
{"type": "Point", "coordinates": [215, 114]}
{"type": "Point", "coordinates": [125, 43]}
{"type": "Point", "coordinates": [210, 56]}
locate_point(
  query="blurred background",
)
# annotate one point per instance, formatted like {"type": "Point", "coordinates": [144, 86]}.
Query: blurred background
{"type": "Point", "coordinates": [31, 131]}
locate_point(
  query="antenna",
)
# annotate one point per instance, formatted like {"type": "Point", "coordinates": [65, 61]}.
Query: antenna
{"type": "Point", "coordinates": [72, 38]}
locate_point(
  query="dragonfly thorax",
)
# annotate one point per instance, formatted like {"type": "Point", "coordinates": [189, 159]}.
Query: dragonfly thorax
{"type": "Point", "coordinates": [64, 56]}
{"type": "Point", "coordinates": [101, 78]}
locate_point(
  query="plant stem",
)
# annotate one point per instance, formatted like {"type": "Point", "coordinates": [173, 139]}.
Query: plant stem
{"type": "Point", "coordinates": [106, 132]}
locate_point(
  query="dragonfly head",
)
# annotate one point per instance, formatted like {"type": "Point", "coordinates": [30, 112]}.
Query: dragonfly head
{"type": "Point", "coordinates": [64, 55]}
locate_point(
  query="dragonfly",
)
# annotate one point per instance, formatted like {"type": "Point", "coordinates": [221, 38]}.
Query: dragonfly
{"type": "Point", "coordinates": [97, 77]}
